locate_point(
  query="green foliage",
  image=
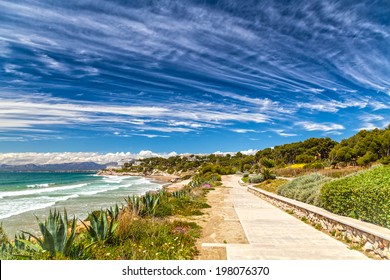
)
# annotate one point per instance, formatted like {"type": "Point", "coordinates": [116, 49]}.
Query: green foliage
{"type": "Point", "coordinates": [271, 185]}
{"type": "Point", "coordinates": [306, 151]}
{"type": "Point", "coordinates": [102, 227]}
{"type": "Point", "coordinates": [314, 165]}
{"type": "Point", "coordinates": [150, 202]}
{"type": "Point", "coordinates": [385, 160]}
{"type": "Point", "coordinates": [135, 204]}
{"type": "Point", "coordinates": [367, 158]}
{"type": "Point", "coordinates": [364, 147]}
{"type": "Point", "coordinates": [364, 196]}
{"type": "Point", "coordinates": [150, 239]}
{"type": "Point", "coordinates": [3, 236]}
{"type": "Point", "coordinates": [305, 188]}
{"type": "Point", "coordinates": [211, 177]}
{"type": "Point", "coordinates": [305, 158]}
{"type": "Point", "coordinates": [267, 174]}
{"type": "Point", "coordinates": [217, 169]}
{"type": "Point", "coordinates": [55, 238]}
{"type": "Point", "coordinates": [113, 212]}
{"type": "Point", "coordinates": [256, 179]}
{"type": "Point", "coordinates": [180, 194]}
{"type": "Point", "coordinates": [196, 181]}
{"type": "Point", "coordinates": [267, 163]}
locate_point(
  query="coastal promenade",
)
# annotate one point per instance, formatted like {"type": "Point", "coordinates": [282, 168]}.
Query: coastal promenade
{"type": "Point", "coordinates": [273, 234]}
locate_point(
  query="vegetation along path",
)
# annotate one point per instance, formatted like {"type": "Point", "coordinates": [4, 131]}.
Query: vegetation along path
{"type": "Point", "coordinates": [274, 234]}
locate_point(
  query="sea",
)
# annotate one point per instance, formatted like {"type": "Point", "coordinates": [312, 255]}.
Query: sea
{"type": "Point", "coordinates": [26, 196]}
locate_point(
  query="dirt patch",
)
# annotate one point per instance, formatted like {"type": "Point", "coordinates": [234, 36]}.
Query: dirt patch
{"type": "Point", "coordinates": [220, 226]}
{"type": "Point", "coordinates": [177, 186]}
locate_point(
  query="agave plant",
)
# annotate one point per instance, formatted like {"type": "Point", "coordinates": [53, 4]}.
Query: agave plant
{"type": "Point", "coordinates": [55, 238]}
{"type": "Point", "coordinates": [113, 212]}
{"type": "Point", "coordinates": [180, 194]}
{"type": "Point", "coordinates": [21, 245]}
{"type": "Point", "coordinates": [150, 201]}
{"type": "Point", "coordinates": [135, 204]}
{"type": "Point", "coordinates": [101, 228]}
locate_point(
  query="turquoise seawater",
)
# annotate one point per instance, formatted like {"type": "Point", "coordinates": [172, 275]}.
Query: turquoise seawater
{"type": "Point", "coordinates": [24, 195]}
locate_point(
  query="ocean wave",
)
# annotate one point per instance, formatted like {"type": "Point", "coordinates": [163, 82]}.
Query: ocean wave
{"type": "Point", "coordinates": [40, 185]}
{"type": "Point", "coordinates": [25, 205]}
{"type": "Point", "coordinates": [93, 192]}
{"type": "Point", "coordinates": [116, 179]}
{"type": "Point", "coordinates": [38, 191]}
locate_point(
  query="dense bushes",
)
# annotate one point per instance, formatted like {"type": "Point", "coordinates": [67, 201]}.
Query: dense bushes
{"type": "Point", "coordinates": [364, 196]}
{"type": "Point", "coordinates": [306, 188]}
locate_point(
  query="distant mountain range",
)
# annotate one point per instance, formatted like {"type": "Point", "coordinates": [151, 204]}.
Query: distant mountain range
{"type": "Point", "coordinates": [71, 166]}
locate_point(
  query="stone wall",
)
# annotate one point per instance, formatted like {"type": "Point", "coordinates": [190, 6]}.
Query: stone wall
{"type": "Point", "coordinates": [372, 239]}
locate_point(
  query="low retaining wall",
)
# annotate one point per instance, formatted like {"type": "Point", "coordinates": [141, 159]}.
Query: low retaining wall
{"type": "Point", "coordinates": [370, 238]}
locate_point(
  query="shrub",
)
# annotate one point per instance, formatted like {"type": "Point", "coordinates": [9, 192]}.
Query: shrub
{"type": "Point", "coordinates": [267, 174]}
{"type": "Point", "coordinates": [267, 163]}
{"type": "Point", "coordinates": [305, 188]}
{"type": "Point", "coordinates": [256, 179]}
{"type": "Point", "coordinates": [385, 160]}
{"type": "Point", "coordinates": [364, 195]}
{"type": "Point", "coordinates": [367, 158]}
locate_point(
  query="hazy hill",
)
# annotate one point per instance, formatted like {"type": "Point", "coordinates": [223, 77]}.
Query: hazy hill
{"type": "Point", "coordinates": [71, 166]}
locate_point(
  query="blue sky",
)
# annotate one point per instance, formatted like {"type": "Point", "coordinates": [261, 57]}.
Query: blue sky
{"type": "Point", "coordinates": [189, 76]}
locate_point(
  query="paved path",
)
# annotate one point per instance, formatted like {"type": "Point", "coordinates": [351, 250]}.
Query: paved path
{"type": "Point", "coordinates": [276, 235]}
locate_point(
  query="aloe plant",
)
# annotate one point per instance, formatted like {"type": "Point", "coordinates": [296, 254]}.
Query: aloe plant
{"type": "Point", "coordinates": [101, 227]}
{"type": "Point", "coordinates": [55, 238]}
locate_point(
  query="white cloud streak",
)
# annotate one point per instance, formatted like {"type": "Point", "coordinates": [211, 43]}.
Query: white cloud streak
{"type": "Point", "coordinates": [311, 126]}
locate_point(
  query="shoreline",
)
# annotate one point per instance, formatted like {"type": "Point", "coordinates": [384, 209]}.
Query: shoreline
{"type": "Point", "coordinates": [82, 204]}
{"type": "Point", "coordinates": [169, 182]}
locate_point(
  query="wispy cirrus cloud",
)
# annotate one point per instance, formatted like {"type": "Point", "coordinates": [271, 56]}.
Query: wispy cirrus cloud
{"type": "Point", "coordinates": [311, 126]}
{"type": "Point", "coordinates": [282, 133]}
{"type": "Point", "coordinates": [241, 130]}
{"type": "Point", "coordinates": [187, 67]}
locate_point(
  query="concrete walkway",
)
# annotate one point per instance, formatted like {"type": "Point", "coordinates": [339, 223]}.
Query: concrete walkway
{"type": "Point", "coordinates": [276, 235]}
